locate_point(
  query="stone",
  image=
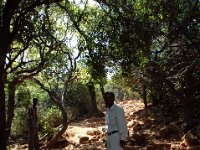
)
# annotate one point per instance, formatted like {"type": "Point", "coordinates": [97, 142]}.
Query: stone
{"type": "Point", "coordinates": [83, 140]}
{"type": "Point", "coordinates": [140, 138]}
{"type": "Point", "coordinates": [159, 146]}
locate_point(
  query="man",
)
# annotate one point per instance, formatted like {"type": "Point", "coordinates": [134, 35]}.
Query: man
{"type": "Point", "coordinates": [33, 126]}
{"type": "Point", "coordinates": [116, 127]}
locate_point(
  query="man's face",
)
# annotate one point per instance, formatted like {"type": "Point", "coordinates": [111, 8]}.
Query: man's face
{"type": "Point", "coordinates": [109, 100]}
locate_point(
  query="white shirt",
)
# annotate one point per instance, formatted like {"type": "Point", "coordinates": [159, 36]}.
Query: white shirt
{"type": "Point", "coordinates": [116, 121]}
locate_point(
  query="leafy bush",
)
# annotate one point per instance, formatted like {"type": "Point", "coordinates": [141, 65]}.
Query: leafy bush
{"type": "Point", "coordinates": [78, 101]}
{"type": "Point", "coordinates": [49, 119]}
{"type": "Point", "coordinates": [20, 124]}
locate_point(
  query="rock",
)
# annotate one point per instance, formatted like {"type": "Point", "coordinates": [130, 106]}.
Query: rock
{"type": "Point", "coordinates": [131, 113]}
{"type": "Point", "coordinates": [190, 140]}
{"type": "Point", "coordinates": [131, 123]}
{"type": "Point", "coordinates": [140, 139]}
{"type": "Point", "coordinates": [83, 140]}
{"type": "Point", "coordinates": [131, 142]}
{"type": "Point", "coordinates": [171, 131]}
{"type": "Point", "coordinates": [137, 127]}
{"type": "Point", "coordinates": [24, 146]}
{"type": "Point", "coordinates": [61, 143]}
{"type": "Point", "coordinates": [197, 147]}
{"type": "Point", "coordinates": [94, 139]}
{"type": "Point", "coordinates": [160, 146]}
{"type": "Point", "coordinates": [128, 147]}
{"type": "Point", "coordinates": [92, 147]}
{"type": "Point", "coordinates": [90, 133]}
{"type": "Point", "coordinates": [97, 132]}
{"type": "Point", "coordinates": [192, 137]}
{"type": "Point", "coordinates": [149, 123]}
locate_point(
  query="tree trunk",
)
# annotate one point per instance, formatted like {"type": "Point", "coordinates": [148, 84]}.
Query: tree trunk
{"type": "Point", "coordinates": [2, 112]}
{"type": "Point", "coordinates": [11, 107]}
{"type": "Point", "coordinates": [102, 88]}
{"type": "Point", "coordinates": [57, 135]}
{"type": "Point", "coordinates": [58, 102]}
{"type": "Point", "coordinates": [2, 97]}
{"type": "Point", "coordinates": [144, 95]}
{"type": "Point", "coordinates": [4, 45]}
{"type": "Point", "coordinates": [189, 100]}
{"type": "Point", "coordinates": [92, 93]}
{"type": "Point", "coordinates": [154, 98]}
{"type": "Point", "coordinates": [186, 97]}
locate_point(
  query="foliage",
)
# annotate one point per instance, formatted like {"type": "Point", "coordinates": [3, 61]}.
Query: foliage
{"type": "Point", "coordinates": [121, 86]}
{"type": "Point", "coordinates": [49, 119]}
{"type": "Point", "coordinates": [78, 101]}
{"type": "Point", "coordinates": [23, 96]}
{"type": "Point", "coordinates": [20, 124]}
{"type": "Point", "coordinates": [154, 44]}
{"type": "Point", "coordinates": [160, 40]}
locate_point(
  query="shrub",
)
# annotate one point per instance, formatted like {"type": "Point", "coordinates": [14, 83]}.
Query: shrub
{"type": "Point", "coordinates": [78, 101]}
{"type": "Point", "coordinates": [20, 124]}
{"type": "Point", "coordinates": [49, 120]}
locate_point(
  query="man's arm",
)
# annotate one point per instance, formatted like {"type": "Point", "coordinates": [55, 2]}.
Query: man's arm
{"type": "Point", "coordinates": [122, 125]}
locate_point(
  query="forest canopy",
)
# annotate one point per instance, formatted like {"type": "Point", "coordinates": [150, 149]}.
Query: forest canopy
{"type": "Point", "coordinates": [63, 51]}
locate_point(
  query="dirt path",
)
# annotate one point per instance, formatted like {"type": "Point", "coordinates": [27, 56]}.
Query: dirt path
{"type": "Point", "coordinates": [147, 131]}
{"type": "Point", "coordinates": [89, 133]}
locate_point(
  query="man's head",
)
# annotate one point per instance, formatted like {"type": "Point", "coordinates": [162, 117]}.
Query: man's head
{"type": "Point", "coordinates": [35, 101]}
{"type": "Point", "coordinates": [109, 98]}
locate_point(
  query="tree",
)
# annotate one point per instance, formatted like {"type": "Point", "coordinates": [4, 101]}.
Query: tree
{"type": "Point", "coordinates": [58, 77]}
{"type": "Point", "coordinates": [93, 49]}
{"type": "Point", "coordinates": [176, 65]}
{"type": "Point", "coordinates": [161, 38]}
{"type": "Point", "coordinates": [30, 54]}
{"type": "Point", "coordinates": [12, 14]}
{"type": "Point", "coordinates": [57, 80]}
{"type": "Point", "coordinates": [129, 39]}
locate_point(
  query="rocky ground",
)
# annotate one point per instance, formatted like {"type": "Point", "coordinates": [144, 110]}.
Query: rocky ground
{"type": "Point", "coordinates": [89, 134]}
{"type": "Point", "coordinates": [148, 130]}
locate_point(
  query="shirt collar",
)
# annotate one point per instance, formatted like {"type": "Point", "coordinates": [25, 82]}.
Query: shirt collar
{"type": "Point", "coordinates": [112, 107]}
